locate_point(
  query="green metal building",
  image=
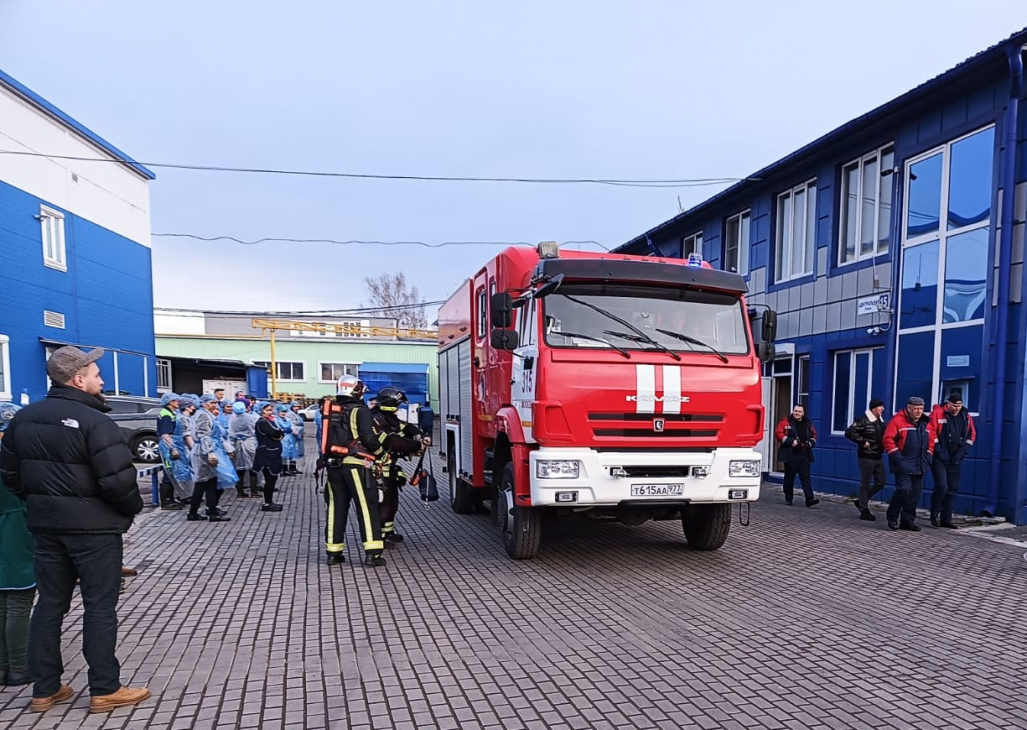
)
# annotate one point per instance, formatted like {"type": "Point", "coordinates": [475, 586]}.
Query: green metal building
{"type": "Point", "coordinates": [304, 367]}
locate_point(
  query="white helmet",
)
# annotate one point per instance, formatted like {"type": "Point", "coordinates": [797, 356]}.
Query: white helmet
{"type": "Point", "coordinates": [349, 385]}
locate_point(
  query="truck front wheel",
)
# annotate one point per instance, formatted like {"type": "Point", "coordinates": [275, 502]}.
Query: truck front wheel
{"type": "Point", "coordinates": [460, 497]}
{"type": "Point", "coordinates": [706, 525]}
{"type": "Point", "coordinates": [521, 527]}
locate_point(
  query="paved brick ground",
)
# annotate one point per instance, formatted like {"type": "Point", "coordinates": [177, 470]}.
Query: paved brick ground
{"type": "Point", "coordinates": [806, 619]}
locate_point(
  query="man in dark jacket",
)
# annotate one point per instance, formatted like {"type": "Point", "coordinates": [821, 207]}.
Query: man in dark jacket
{"type": "Point", "coordinates": [797, 437]}
{"type": "Point", "coordinates": [909, 443]}
{"type": "Point", "coordinates": [955, 433]}
{"type": "Point", "coordinates": [71, 465]}
{"type": "Point", "coordinates": [867, 432]}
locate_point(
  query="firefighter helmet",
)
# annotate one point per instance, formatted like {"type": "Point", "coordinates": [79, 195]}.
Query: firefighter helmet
{"type": "Point", "coordinates": [390, 397]}
{"type": "Point", "coordinates": [349, 385]}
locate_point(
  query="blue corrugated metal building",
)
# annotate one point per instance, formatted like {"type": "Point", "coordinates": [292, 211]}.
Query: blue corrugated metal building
{"type": "Point", "coordinates": [895, 260]}
{"type": "Point", "coordinates": [75, 264]}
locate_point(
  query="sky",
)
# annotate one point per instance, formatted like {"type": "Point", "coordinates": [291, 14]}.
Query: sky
{"type": "Point", "coordinates": [654, 89]}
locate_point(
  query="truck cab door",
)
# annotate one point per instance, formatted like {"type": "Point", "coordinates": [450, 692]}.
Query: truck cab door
{"type": "Point", "coordinates": [525, 368]}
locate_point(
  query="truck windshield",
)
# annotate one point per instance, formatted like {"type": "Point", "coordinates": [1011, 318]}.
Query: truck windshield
{"type": "Point", "coordinates": [675, 319]}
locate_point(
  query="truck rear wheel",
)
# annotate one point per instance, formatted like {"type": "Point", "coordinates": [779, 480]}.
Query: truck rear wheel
{"type": "Point", "coordinates": [521, 527]}
{"type": "Point", "coordinates": [707, 525]}
{"type": "Point", "coordinates": [460, 497]}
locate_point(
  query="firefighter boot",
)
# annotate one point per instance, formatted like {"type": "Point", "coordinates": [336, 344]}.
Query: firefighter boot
{"type": "Point", "coordinates": [374, 560]}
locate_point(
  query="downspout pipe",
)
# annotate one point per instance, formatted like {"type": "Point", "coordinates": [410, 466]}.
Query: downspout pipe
{"type": "Point", "coordinates": [1004, 265]}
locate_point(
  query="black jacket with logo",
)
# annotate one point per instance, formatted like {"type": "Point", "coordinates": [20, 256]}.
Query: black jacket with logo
{"type": "Point", "coordinates": [867, 429]}
{"type": "Point", "coordinates": [70, 463]}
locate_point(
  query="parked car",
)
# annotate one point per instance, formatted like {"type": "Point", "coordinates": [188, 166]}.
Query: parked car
{"type": "Point", "coordinates": [137, 418]}
{"type": "Point", "coordinates": [307, 414]}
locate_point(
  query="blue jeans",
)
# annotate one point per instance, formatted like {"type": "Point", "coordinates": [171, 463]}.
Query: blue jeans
{"type": "Point", "coordinates": [96, 561]}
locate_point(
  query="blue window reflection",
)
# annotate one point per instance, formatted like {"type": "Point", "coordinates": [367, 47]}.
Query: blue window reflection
{"type": "Point", "coordinates": [919, 286]}
{"type": "Point", "coordinates": [924, 202]}
{"type": "Point", "coordinates": [915, 368]}
{"type": "Point", "coordinates": [966, 276]}
{"type": "Point", "coordinates": [970, 179]}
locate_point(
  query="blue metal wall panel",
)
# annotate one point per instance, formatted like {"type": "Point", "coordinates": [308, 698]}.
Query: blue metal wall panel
{"type": "Point", "coordinates": [106, 296]}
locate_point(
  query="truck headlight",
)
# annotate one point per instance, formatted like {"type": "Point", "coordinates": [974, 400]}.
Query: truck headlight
{"type": "Point", "coordinates": [557, 468]}
{"type": "Point", "coordinates": [743, 468]}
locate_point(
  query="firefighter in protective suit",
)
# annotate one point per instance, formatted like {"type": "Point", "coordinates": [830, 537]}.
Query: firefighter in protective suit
{"type": "Point", "coordinates": [349, 448]}
{"type": "Point", "coordinates": [398, 439]}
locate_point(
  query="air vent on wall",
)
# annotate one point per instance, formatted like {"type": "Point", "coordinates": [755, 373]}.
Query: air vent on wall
{"type": "Point", "coordinates": [53, 319]}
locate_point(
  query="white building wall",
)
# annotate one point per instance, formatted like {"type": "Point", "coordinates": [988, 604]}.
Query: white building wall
{"type": "Point", "coordinates": [107, 194]}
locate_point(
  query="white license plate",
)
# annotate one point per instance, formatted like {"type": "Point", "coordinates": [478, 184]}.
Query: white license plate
{"type": "Point", "coordinates": [657, 490]}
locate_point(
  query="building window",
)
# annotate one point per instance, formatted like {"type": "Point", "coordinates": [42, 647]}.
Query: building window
{"type": "Point", "coordinates": [802, 381]}
{"type": "Point", "coordinates": [290, 371]}
{"type": "Point", "coordinates": [796, 232]}
{"type": "Point", "coordinates": [866, 206]}
{"type": "Point", "coordinates": [482, 314]}
{"type": "Point", "coordinates": [853, 386]}
{"type": "Point", "coordinates": [736, 244]}
{"type": "Point", "coordinates": [946, 260]}
{"type": "Point", "coordinates": [163, 376]}
{"type": "Point", "coordinates": [332, 371]}
{"type": "Point", "coordinates": [52, 224]}
{"type": "Point", "coordinates": [691, 244]}
{"type": "Point", "coordinates": [5, 367]}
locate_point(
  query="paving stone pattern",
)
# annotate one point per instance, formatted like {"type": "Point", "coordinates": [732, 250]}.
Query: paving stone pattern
{"type": "Point", "coordinates": [808, 618]}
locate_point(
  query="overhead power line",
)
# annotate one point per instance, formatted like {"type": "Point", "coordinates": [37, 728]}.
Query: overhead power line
{"type": "Point", "coordinates": [442, 244]}
{"type": "Point", "coordinates": [654, 183]}
{"type": "Point", "coordinates": [184, 312]}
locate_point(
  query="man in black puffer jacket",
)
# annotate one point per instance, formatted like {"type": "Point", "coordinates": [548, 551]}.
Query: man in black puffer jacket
{"type": "Point", "coordinates": [867, 432]}
{"type": "Point", "coordinates": [71, 464]}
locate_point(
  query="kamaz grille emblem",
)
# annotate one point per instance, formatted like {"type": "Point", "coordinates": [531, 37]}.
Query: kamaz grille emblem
{"type": "Point", "coordinates": [658, 424]}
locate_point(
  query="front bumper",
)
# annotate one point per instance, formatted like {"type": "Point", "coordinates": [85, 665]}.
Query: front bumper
{"type": "Point", "coordinates": [598, 484]}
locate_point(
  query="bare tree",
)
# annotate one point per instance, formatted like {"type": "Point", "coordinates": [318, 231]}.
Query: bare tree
{"type": "Point", "coordinates": [392, 297]}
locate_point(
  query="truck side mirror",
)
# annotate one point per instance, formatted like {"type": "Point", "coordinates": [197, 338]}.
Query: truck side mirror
{"type": "Point", "coordinates": [505, 339]}
{"type": "Point", "coordinates": [766, 352]}
{"type": "Point", "coordinates": [549, 287]}
{"type": "Point", "coordinates": [502, 310]}
{"type": "Point", "coordinates": [769, 325]}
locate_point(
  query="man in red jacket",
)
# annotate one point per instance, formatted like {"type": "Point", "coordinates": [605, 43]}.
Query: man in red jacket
{"type": "Point", "coordinates": [797, 437]}
{"type": "Point", "coordinates": [909, 443]}
{"type": "Point", "coordinates": [955, 433]}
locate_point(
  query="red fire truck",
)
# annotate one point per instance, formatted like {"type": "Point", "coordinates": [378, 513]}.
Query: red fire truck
{"type": "Point", "coordinates": [621, 387]}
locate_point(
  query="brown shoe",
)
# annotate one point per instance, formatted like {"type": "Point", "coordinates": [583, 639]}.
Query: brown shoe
{"type": "Point", "coordinates": [42, 704]}
{"type": "Point", "coordinates": [130, 572]}
{"type": "Point", "coordinates": [122, 698]}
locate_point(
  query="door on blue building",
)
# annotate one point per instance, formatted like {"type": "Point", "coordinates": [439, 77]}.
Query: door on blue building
{"type": "Point", "coordinates": [947, 235]}
{"type": "Point", "coordinates": [780, 371]}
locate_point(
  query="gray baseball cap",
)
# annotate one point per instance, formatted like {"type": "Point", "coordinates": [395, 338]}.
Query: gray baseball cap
{"type": "Point", "coordinates": [65, 362]}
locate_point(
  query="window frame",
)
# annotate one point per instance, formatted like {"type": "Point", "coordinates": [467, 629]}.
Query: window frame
{"type": "Point", "coordinates": [942, 236]}
{"type": "Point", "coordinates": [742, 266]}
{"type": "Point", "coordinates": [51, 220]}
{"type": "Point", "coordinates": [852, 411]}
{"type": "Point", "coordinates": [482, 324]}
{"type": "Point", "coordinates": [164, 379]}
{"type": "Point", "coordinates": [278, 367]}
{"type": "Point", "coordinates": [320, 373]}
{"type": "Point", "coordinates": [6, 389]}
{"type": "Point", "coordinates": [809, 189]}
{"type": "Point", "coordinates": [696, 239]}
{"type": "Point", "coordinates": [873, 156]}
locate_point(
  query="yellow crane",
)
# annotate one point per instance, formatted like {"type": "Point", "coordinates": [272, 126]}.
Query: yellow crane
{"type": "Point", "coordinates": [271, 326]}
